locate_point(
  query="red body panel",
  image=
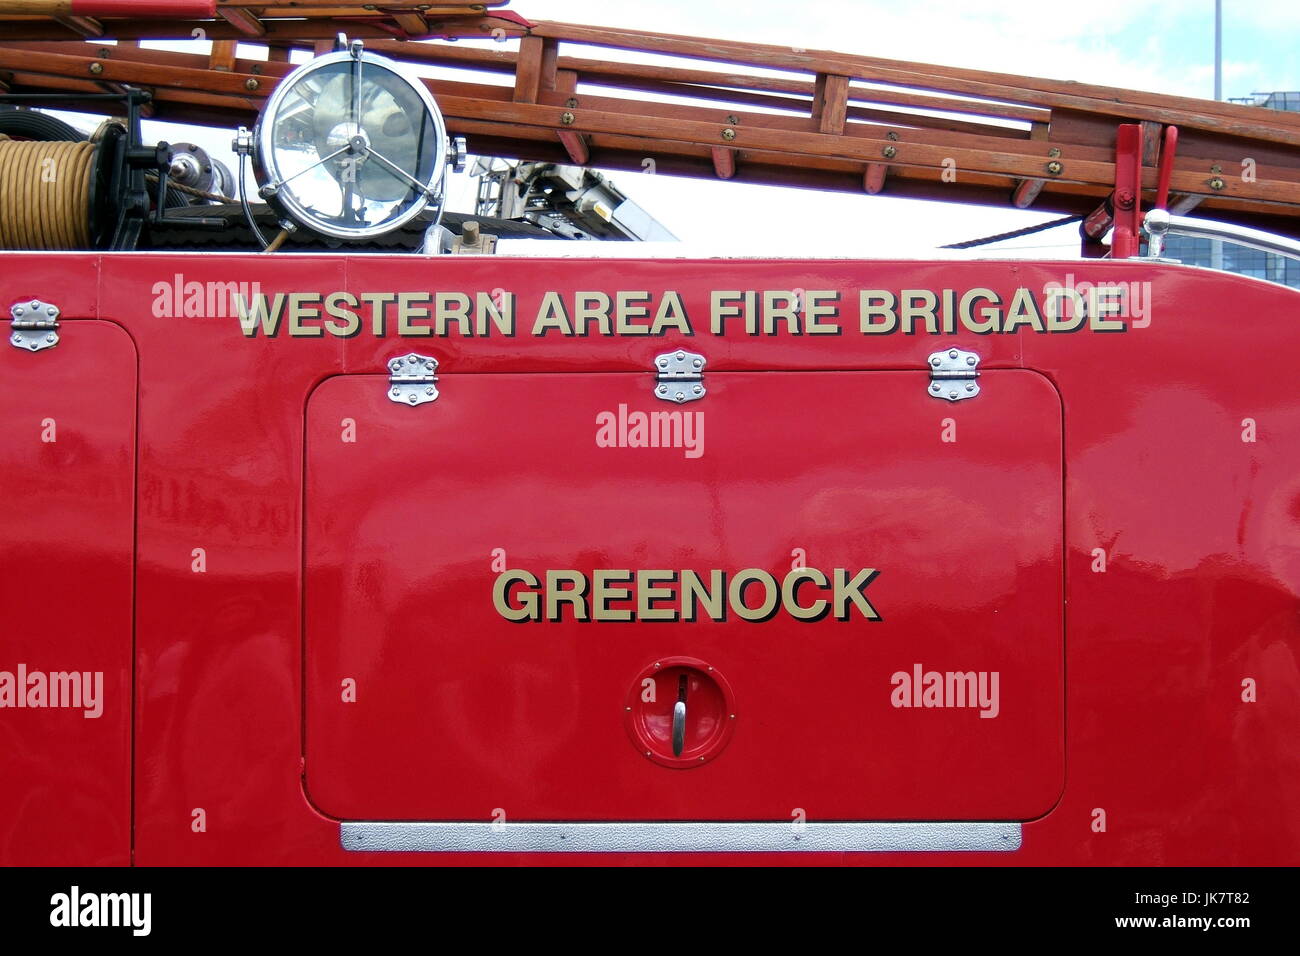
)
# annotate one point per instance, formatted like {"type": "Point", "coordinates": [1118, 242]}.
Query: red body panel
{"type": "Point", "coordinates": [528, 716]}
{"type": "Point", "coordinates": [67, 470]}
{"type": "Point", "coordinates": [238, 453]}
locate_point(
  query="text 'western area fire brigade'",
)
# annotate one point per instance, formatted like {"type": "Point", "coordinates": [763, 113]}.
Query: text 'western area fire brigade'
{"type": "Point", "coordinates": [1096, 308]}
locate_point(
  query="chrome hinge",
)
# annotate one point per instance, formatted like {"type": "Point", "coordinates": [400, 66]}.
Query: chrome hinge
{"type": "Point", "coordinates": [680, 376]}
{"type": "Point", "coordinates": [952, 375]}
{"type": "Point", "coordinates": [411, 379]}
{"type": "Point", "coordinates": [35, 326]}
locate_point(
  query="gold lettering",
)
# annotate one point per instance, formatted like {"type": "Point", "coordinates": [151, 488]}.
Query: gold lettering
{"type": "Point", "coordinates": [671, 314]}
{"type": "Point", "coordinates": [850, 592]}
{"type": "Point", "coordinates": [737, 591]}
{"type": "Point", "coordinates": [628, 306]}
{"type": "Point", "coordinates": [452, 306]}
{"type": "Point", "coordinates": [1023, 310]}
{"type": "Point", "coordinates": [502, 315]}
{"type": "Point", "coordinates": [584, 312]}
{"type": "Point", "coordinates": [576, 595]}
{"type": "Point", "coordinates": [815, 311]}
{"type": "Point", "coordinates": [298, 302]}
{"type": "Point", "coordinates": [989, 314]}
{"type": "Point", "coordinates": [1106, 300]}
{"type": "Point", "coordinates": [694, 593]}
{"type": "Point", "coordinates": [722, 306]}
{"type": "Point", "coordinates": [527, 608]}
{"type": "Point", "coordinates": [603, 592]}
{"type": "Point", "coordinates": [772, 313]}
{"type": "Point", "coordinates": [351, 323]}
{"type": "Point", "coordinates": [411, 306]}
{"type": "Point", "coordinates": [918, 304]}
{"type": "Point", "coordinates": [551, 315]}
{"type": "Point", "coordinates": [1075, 313]}
{"type": "Point", "coordinates": [790, 594]}
{"type": "Point", "coordinates": [647, 594]}
{"type": "Point", "coordinates": [377, 301]}
{"type": "Point", "coordinates": [883, 309]}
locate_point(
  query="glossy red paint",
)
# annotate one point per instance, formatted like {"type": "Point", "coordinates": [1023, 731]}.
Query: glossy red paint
{"type": "Point", "coordinates": [67, 473]}
{"type": "Point", "coordinates": [523, 714]}
{"type": "Point", "coordinates": [374, 558]}
{"type": "Point", "coordinates": [708, 723]}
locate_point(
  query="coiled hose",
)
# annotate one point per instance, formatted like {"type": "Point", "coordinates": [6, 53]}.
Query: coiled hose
{"type": "Point", "coordinates": [45, 194]}
{"type": "Point", "coordinates": [29, 124]}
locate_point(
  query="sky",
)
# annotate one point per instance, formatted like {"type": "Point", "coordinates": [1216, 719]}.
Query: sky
{"type": "Point", "coordinates": [1162, 46]}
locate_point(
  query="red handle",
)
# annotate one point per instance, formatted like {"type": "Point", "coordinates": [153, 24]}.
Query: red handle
{"type": "Point", "coordinates": [180, 9]}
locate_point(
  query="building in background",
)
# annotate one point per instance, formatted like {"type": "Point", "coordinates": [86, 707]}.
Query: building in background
{"type": "Point", "coordinates": [1289, 101]}
{"type": "Point", "coordinates": [1216, 254]}
{"type": "Point", "coordinates": [1231, 257]}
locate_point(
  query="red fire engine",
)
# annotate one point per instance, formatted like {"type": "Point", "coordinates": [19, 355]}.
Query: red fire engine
{"type": "Point", "coordinates": [332, 538]}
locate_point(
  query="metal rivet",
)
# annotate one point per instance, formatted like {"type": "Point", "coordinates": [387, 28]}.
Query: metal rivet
{"type": "Point", "coordinates": [251, 84]}
{"type": "Point", "coordinates": [728, 134]}
{"type": "Point", "coordinates": [627, 708]}
{"type": "Point", "coordinates": [970, 388]}
{"type": "Point", "coordinates": [680, 356]}
{"type": "Point", "coordinates": [1053, 152]}
{"type": "Point", "coordinates": [1055, 168]}
{"type": "Point", "coordinates": [411, 360]}
{"type": "Point", "coordinates": [413, 399]}
{"type": "Point", "coordinates": [662, 389]}
{"type": "Point", "coordinates": [698, 389]}
{"type": "Point", "coordinates": [428, 391]}
{"type": "Point", "coordinates": [97, 68]}
{"type": "Point", "coordinates": [697, 363]}
{"type": "Point", "coordinates": [934, 362]}
{"type": "Point", "coordinates": [1217, 183]}
{"type": "Point", "coordinates": [889, 152]}
{"type": "Point", "coordinates": [680, 396]}
{"type": "Point", "coordinates": [952, 354]}
{"type": "Point", "coordinates": [49, 338]}
{"type": "Point", "coordinates": [566, 118]}
{"type": "Point", "coordinates": [663, 363]}
{"type": "Point", "coordinates": [952, 394]}
{"type": "Point", "coordinates": [733, 716]}
{"type": "Point", "coordinates": [971, 360]}
{"type": "Point", "coordinates": [934, 387]}
{"type": "Point", "coordinates": [397, 391]}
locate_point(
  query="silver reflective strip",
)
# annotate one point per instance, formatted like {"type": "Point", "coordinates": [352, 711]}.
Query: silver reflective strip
{"type": "Point", "coordinates": [677, 837]}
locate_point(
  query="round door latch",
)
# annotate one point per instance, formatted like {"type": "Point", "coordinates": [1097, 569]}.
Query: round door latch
{"type": "Point", "coordinates": [680, 712]}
